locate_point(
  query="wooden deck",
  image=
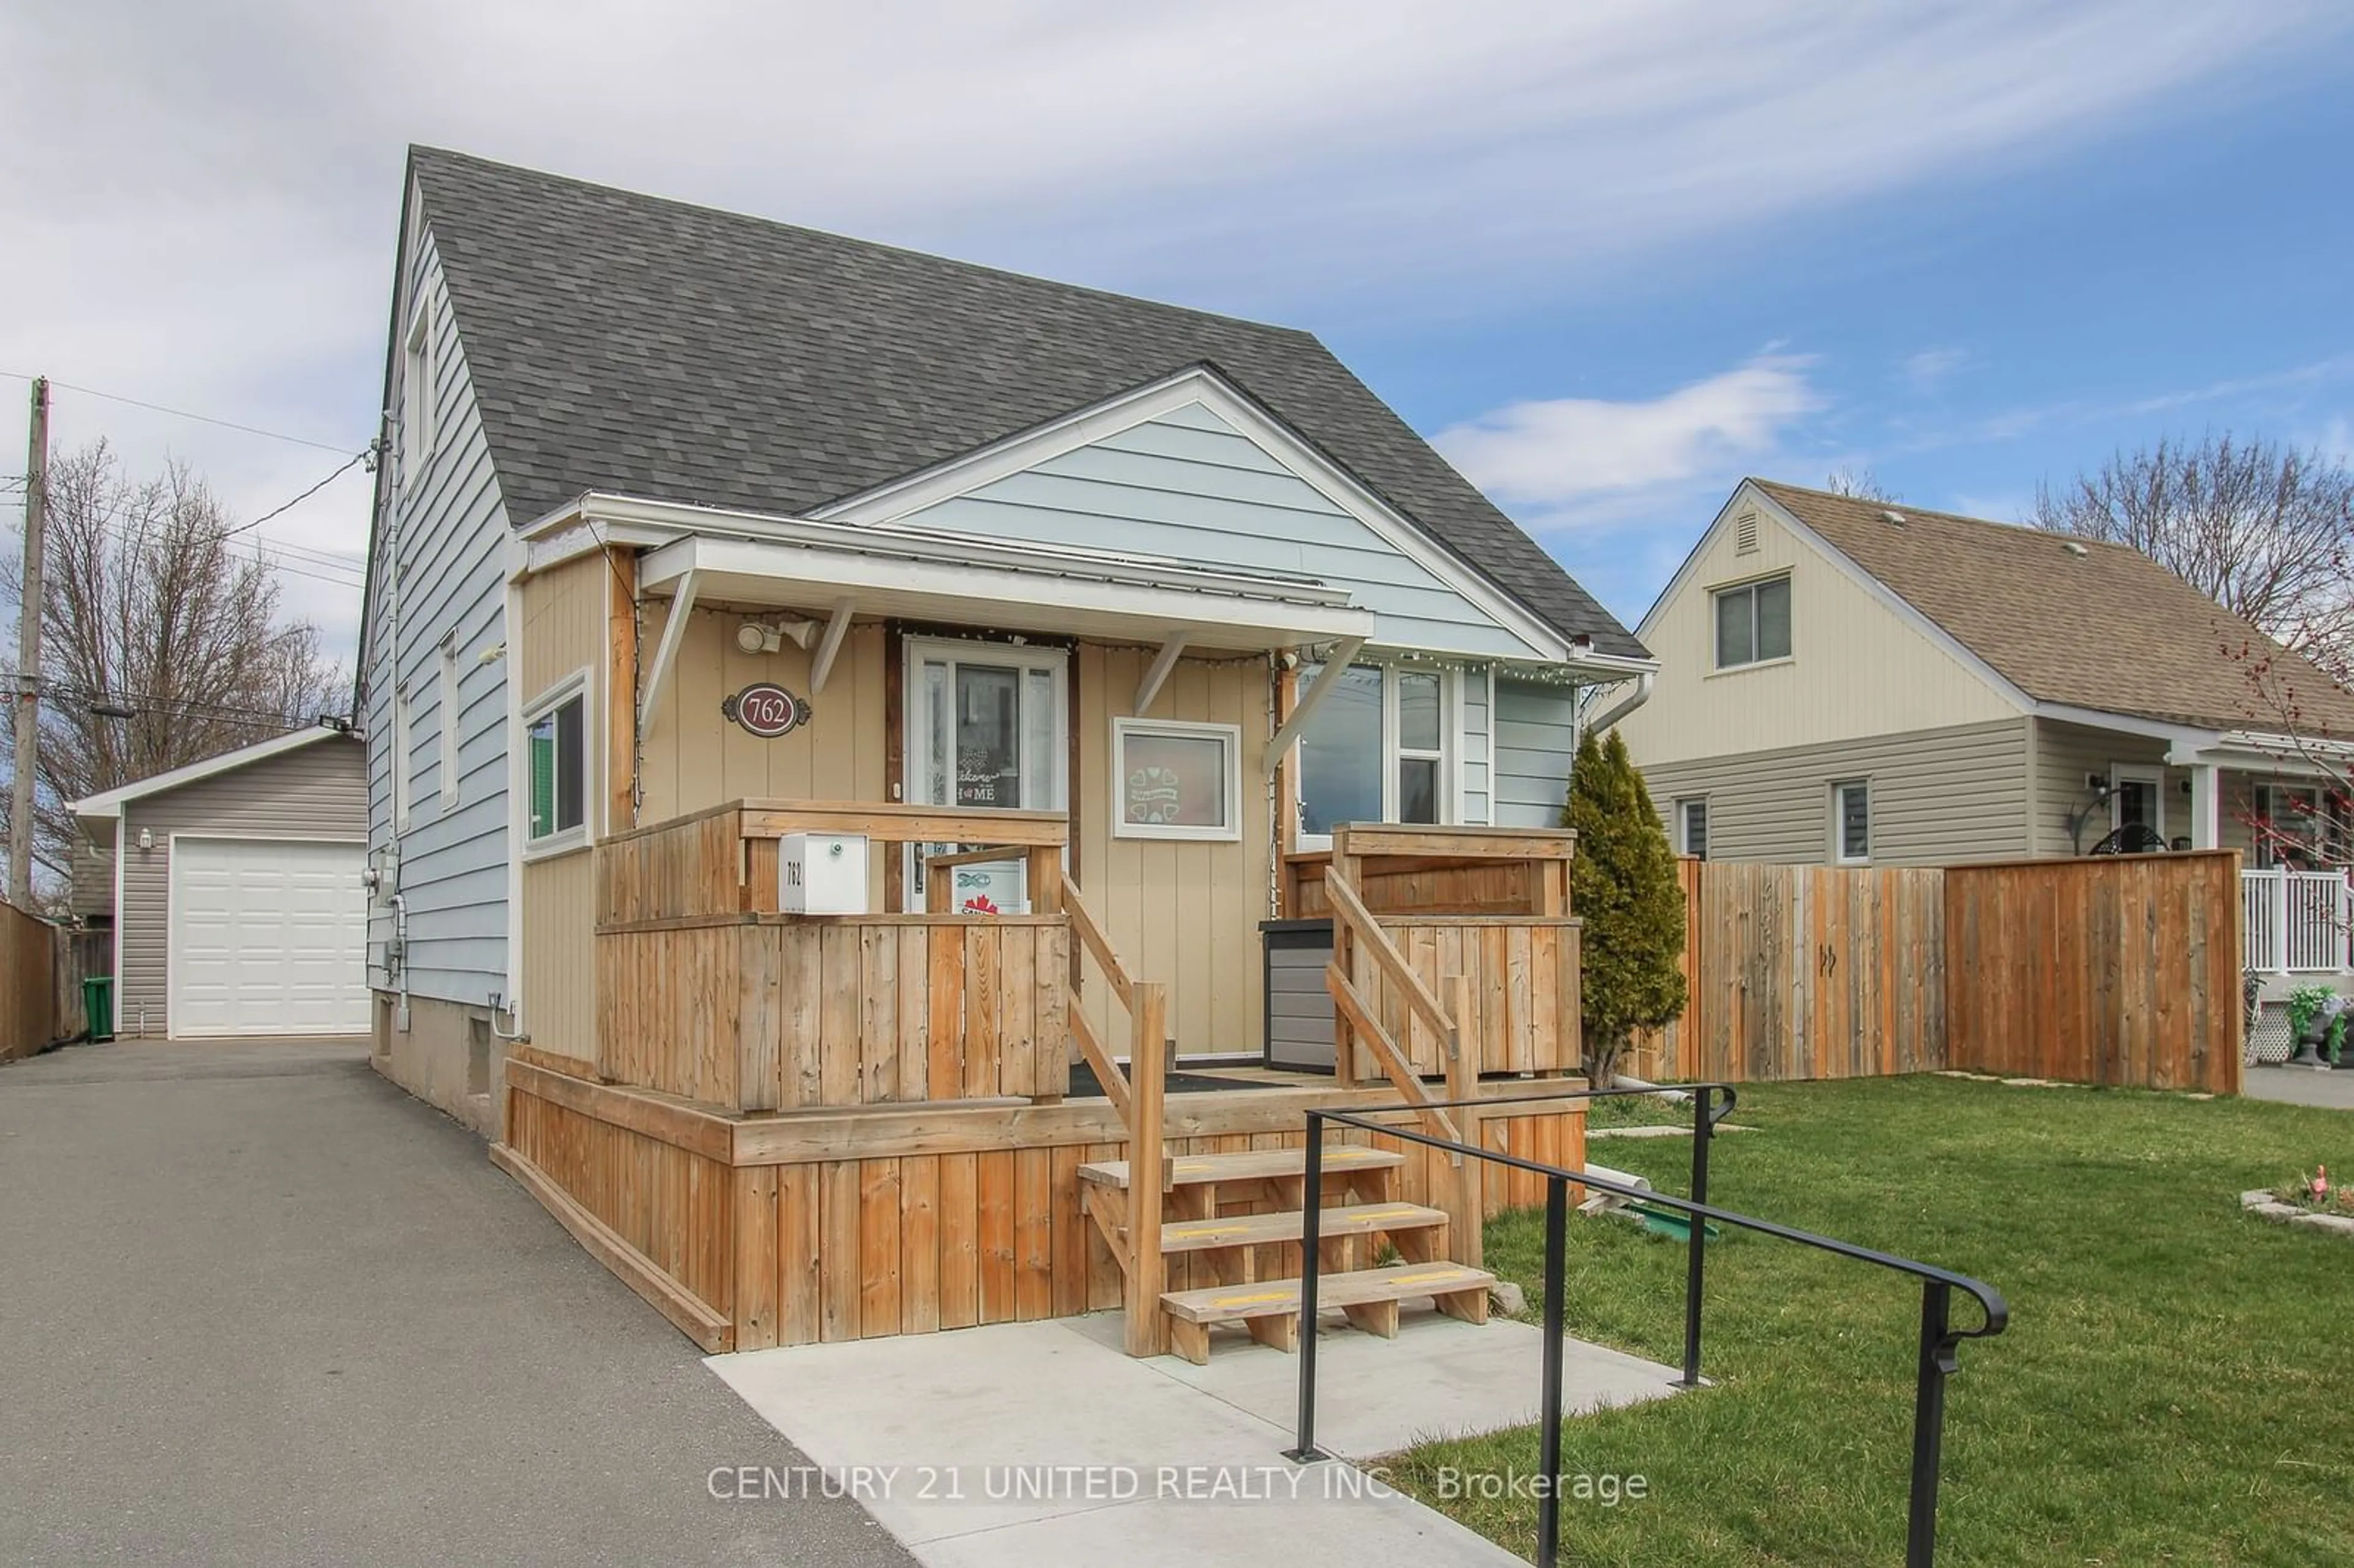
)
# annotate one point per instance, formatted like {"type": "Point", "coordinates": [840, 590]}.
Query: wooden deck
{"type": "Point", "coordinates": [756, 1229]}
{"type": "Point", "coordinates": [799, 1129]}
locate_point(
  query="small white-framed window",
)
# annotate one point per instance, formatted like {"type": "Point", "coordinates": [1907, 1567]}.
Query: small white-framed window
{"type": "Point", "coordinates": [1753, 622]}
{"type": "Point", "coordinates": [417, 394]}
{"type": "Point", "coordinates": [555, 767]}
{"type": "Point", "coordinates": [1378, 748]}
{"type": "Point", "coordinates": [1851, 822]}
{"type": "Point", "coordinates": [404, 787]}
{"type": "Point", "coordinates": [1419, 709]}
{"type": "Point", "coordinates": [1691, 826]}
{"type": "Point", "coordinates": [1177, 780]}
{"type": "Point", "coordinates": [448, 720]}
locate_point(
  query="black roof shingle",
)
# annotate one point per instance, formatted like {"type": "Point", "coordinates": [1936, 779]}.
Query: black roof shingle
{"type": "Point", "coordinates": [626, 342]}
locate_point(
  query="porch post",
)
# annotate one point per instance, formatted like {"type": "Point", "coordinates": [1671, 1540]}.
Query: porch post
{"type": "Point", "coordinates": [2206, 806]}
{"type": "Point", "coordinates": [2280, 920]}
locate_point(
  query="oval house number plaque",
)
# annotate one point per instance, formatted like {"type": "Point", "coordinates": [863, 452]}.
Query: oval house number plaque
{"type": "Point", "coordinates": [766, 709]}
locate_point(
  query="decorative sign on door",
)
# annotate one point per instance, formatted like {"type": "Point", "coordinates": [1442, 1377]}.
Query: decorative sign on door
{"type": "Point", "coordinates": [766, 709]}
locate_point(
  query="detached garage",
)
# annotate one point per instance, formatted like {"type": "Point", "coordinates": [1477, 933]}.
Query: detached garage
{"type": "Point", "coordinates": [237, 903]}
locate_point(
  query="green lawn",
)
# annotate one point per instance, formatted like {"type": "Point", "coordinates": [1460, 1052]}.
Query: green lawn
{"type": "Point", "coordinates": [2177, 1385]}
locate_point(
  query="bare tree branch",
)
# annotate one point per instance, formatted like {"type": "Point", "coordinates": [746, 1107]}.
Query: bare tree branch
{"type": "Point", "coordinates": [2262, 529]}
{"type": "Point", "coordinates": [1859, 484]}
{"type": "Point", "coordinates": [159, 647]}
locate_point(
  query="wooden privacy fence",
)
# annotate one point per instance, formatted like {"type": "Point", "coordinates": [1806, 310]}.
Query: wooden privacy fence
{"type": "Point", "coordinates": [42, 966]}
{"type": "Point", "coordinates": [2117, 969]}
{"type": "Point", "coordinates": [2113, 969]}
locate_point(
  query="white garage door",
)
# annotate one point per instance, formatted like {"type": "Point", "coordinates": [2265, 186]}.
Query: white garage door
{"type": "Point", "coordinates": [269, 937]}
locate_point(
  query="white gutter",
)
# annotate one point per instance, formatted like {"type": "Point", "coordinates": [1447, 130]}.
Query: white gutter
{"type": "Point", "coordinates": [1627, 704]}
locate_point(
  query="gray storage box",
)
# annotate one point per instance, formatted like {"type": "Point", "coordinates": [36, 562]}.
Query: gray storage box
{"type": "Point", "coordinates": [1298, 1008]}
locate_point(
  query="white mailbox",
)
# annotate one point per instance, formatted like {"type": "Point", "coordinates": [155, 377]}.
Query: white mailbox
{"type": "Point", "coordinates": [822, 874]}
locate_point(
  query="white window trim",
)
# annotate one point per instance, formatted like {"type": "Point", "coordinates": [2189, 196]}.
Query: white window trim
{"type": "Point", "coordinates": [2123, 773]}
{"type": "Point", "coordinates": [1229, 735]}
{"type": "Point", "coordinates": [446, 702]}
{"type": "Point", "coordinates": [1683, 826]}
{"type": "Point", "coordinates": [1717, 666]}
{"type": "Point", "coordinates": [572, 840]}
{"type": "Point", "coordinates": [416, 391]}
{"type": "Point", "coordinates": [1839, 856]}
{"type": "Point", "coordinates": [1449, 753]}
{"type": "Point", "coordinates": [1028, 658]}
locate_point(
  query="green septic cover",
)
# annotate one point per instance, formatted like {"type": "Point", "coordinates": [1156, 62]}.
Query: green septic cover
{"type": "Point", "coordinates": [543, 779]}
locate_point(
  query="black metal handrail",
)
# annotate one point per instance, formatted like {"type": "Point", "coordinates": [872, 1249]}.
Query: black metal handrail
{"type": "Point", "coordinates": [1938, 1341]}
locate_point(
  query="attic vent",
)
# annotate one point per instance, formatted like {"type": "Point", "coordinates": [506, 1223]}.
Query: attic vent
{"type": "Point", "coordinates": [2074, 549]}
{"type": "Point", "coordinates": [1745, 534]}
{"type": "Point", "coordinates": [1893, 516]}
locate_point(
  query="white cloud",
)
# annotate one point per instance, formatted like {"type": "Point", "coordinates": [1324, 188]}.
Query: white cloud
{"type": "Point", "coordinates": [1931, 367]}
{"type": "Point", "coordinates": [202, 198]}
{"type": "Point", "coordinates": [1549, 454]}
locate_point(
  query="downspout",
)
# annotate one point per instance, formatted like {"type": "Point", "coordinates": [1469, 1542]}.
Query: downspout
{"type": "Point", "coordinates": [1626, 704]}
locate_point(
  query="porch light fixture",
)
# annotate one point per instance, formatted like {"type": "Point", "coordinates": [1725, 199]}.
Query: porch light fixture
{"type": "Point", "coordinates": [759, 637]}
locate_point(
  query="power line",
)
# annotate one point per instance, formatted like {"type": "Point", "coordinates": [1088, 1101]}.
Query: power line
{"type": "Point", "coordinates": [360, 456]}
{"type": "Point", "coordinates": [69, 691]}
{"type": "Point", "coordinates": [180, 413]}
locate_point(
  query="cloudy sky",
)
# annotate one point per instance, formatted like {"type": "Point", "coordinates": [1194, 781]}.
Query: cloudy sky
{"type": "Point", "coordinates": [1610, 256]}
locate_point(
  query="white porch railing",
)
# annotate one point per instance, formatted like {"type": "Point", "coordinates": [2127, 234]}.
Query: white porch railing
{"type": "Point", "coordinates": [2297, 922]}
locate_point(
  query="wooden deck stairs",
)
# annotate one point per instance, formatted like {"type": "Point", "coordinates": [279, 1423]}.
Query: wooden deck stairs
{"type": "Point", "coordinates": [1243, 1248]}
{"type": "Point", "coordinates": [1240, 1218]}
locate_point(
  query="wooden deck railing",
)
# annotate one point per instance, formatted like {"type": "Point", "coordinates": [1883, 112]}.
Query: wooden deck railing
{"type": "Point", "coordinates": [1466, 968]}
{"type": "Point", "coordinates": [1137, 1095]}
{"type": "Point", "coordinates": [705, 990]}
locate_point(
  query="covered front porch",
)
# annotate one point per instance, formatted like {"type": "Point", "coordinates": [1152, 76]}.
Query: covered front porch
{"type": "Point", "coordinates": [2280, 800]}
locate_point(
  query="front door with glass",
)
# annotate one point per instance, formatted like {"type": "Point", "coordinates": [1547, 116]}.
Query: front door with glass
{"type": "Point", "coordinates": [986, 728]}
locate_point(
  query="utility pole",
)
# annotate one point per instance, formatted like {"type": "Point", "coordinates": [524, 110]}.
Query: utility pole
{"type": "Point", "coordinates": [28, 655]}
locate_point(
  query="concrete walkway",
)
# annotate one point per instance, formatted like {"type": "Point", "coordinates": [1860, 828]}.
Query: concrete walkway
{"type": "Point", "coordinates": [1041, 1443]}
{"type": "Point", "coordinates": [259, 1307]}
{"type": "Point", "coordinates": [2299, 1086]}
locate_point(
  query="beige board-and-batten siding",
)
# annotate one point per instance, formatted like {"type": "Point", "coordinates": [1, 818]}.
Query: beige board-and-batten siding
{"type": "Point", "coordinates": [1936, 796]}
{"type": "Point", "coordinates": [317, 792]}
{"type": "Point", "coordinates": [1185, 912]}
{"type": "Point", "coordinates": [565, 615]}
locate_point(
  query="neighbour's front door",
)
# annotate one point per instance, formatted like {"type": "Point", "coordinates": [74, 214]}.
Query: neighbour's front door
{"type": "Point", "coordinates": [2136, 802]}
{"type": "Point", "coordinates": [986, 727]}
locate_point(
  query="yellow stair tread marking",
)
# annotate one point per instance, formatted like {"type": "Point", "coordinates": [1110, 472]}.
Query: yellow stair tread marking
{"type": "Point", "coordinates": [1255, 1165]}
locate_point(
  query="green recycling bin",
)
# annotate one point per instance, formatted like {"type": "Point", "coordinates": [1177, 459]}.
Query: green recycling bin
{"type": "Point", "coordinates": [98, 1006]}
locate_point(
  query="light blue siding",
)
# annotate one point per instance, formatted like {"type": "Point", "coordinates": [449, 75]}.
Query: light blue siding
{"type": "Point", "coordinates": [1189, 486]}
{"type": "Point", "coordinates": [1477, 756]}
{"type": "Point", "coordinates": [441, 580]}
{"type": "Point", "coordinates": [1536, 741]}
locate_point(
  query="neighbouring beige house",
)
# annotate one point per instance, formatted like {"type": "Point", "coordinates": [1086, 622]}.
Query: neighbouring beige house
{"type": "Point", "coordinates": [1849, 682]}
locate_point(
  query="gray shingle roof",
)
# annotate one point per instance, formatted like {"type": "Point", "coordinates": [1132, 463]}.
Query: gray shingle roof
{"type": "Point", "coordinates": [625, 342]}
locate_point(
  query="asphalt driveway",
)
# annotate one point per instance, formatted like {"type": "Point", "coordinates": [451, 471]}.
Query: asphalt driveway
{"type": "Point", "coordinates": [2299, 1086]}
{"type": "Point", "coordinates": [259, 1307]}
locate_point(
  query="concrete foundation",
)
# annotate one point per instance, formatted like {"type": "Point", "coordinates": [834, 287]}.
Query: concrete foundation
{"type": "Point", "coordinates": [447, 1056]}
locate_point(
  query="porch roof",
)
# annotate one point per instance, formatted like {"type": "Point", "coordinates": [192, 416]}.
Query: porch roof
{"type": "Point", "coordinates": [922, 573]}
